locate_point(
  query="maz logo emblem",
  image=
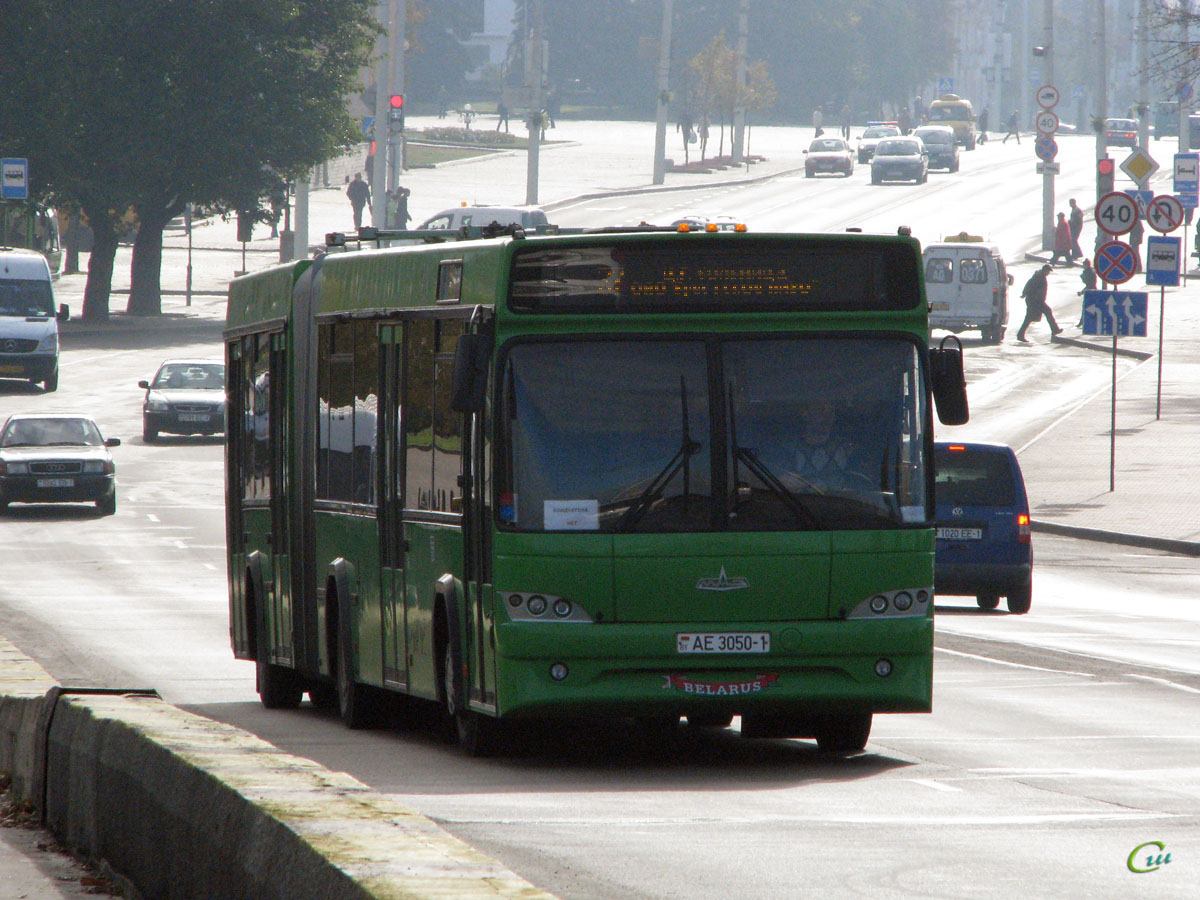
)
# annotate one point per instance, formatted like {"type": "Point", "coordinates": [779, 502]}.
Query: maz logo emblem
{"type": "Point", "coordinates": [722, 583]}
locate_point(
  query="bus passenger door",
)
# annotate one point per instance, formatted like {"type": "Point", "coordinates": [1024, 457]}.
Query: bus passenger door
{"type": "Point", "coordinates": [287, 642]}
{"type": "Point", "coordinates": [391, 501]}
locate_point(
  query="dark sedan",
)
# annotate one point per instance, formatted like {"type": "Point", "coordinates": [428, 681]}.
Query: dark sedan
{"type": "Point", "coordinates": [900, 159]}
{"type": "Point", "coordinates": [1120, 132]}
{"type": "Point", "coordinates": [56, 459]}
{"type": "Point", "coordinates": [186, 396]}
{"type": "Point", "coordinates": [941, 144]}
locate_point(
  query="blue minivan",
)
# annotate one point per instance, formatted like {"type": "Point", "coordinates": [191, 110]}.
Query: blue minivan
{"type": "Point", "coordinates": [983, 545]}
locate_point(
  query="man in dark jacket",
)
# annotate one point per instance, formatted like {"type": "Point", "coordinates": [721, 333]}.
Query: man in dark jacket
{"type": "Point", "coordinates": [1034, 293]}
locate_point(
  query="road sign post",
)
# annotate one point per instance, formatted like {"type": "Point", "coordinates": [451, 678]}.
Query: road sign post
{"type": "Point", "coordinates": [1114, 312]}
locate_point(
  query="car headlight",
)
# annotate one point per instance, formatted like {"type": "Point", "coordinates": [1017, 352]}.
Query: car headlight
{"type": "Point", "coordinates": [156, 405]}
{"type": "Point", "coordinates": [98, 466]}
{"type": "Point", "coordinates": [48, 344]}
{"type": "Point", "coordinates": [14, 468]}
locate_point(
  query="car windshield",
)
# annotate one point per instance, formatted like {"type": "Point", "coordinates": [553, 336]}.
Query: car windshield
{"type": "Point", "coordinates": [25, 297]}
{"type": "Point", "coordinates": [936, 137]}
{"type": "Point", "coordinates": [826, 145]}
{"type": "Point", "coordinates": [897, 148]}
{"type": "Point", "coordinates": [881, 131]}
{"type": "Point", "coordinates": [772, 434]}
{"type": "Point", "coordinates": [51, 432]}
{"type": "Point", "coordinates": [190, 376]}
{"type": "Point", "coordinates": [946, 113]}
{"type": "Point", "coordinates": [1122, 125]}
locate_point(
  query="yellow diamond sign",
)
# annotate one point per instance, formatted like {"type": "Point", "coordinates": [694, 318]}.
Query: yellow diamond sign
{"type": "Point", "coordinates": [1139, 166]}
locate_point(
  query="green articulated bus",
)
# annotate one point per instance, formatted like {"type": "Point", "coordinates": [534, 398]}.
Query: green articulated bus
{"type": "Point", "coordinates": [633, 473]}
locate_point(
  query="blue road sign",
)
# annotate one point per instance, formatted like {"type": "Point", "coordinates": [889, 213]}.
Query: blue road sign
{"type": "Point", "coordinates": [1115, 262]}
{"type": "Point", "coordinates": [1142, 198]}
{"type": "Point", "coordinates": [945, 85]}
{"type": "Point", "coordinates": [368, 126]}
{"type": "Point", "coordinates": [1102, 310]}
{"type": "Point", "coordinates": [1045, 147]}
{"type": "Point", "coordinates": [15, 179]}
{"type": "Point", "coordinates": [1162, 260]}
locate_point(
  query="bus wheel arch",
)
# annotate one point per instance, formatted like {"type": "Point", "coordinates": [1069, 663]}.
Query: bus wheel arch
{"type": "Point", "coordinates": [355, 703]}
{"type": "Point", "coordinates": [477, 734]}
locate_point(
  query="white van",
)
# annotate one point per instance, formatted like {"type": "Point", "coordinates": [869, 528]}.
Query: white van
{"type": "Point", "coordinates": [966, 285]}
{"type": "Point", "coordinates": [28, 320]}
{"type": "Point", "coordinates": [482, 216]}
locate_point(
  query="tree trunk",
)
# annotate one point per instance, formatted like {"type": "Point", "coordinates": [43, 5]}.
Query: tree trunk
{"type": "Point", "coordinates": [74, 224]}
{"type": "Point", "coordinates": [100, 269]}
{"type": "Point", "coordinates": [145, 272]}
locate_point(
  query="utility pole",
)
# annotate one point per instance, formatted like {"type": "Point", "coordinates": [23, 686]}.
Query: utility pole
{"type": "Point", "coordinates": [1186, 82]}
{"type": "Point", "coordinates": [1143, 52]}
{"type": "Point", "coordinates": [664, 96]}
{"type": "Point", "coordinates": [535, 72]}
{"type": "Point", "coordinates": [383, 88]}
{"type": "Point", "coordinates": [1048, 78]}
{"type": "Point", "coordinates": [739, 103]}
{"type": "Point", "coordinates": [396, 136]}
{"type": "Point", "coordinates": [1101, 93]}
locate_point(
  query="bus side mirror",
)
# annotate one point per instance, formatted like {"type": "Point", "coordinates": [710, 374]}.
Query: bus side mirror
{"type": "Point", "coordinates": [949, 384]}
{"type": "Point", "coordinates": [470, 372]}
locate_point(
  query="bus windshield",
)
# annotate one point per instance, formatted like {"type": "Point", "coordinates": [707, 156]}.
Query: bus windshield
{"type": "Point", "coordinates": [713, 434]}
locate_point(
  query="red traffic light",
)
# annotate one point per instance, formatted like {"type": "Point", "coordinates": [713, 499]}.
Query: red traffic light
{"type": "Point", "coordinates": [1104, 166]}
{"type": "Point", "coordinates": [396, 101]}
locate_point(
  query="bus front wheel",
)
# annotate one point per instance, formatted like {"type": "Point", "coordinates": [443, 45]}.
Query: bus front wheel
{"type": "Point", "coordinates": [278, 688]}
{"type": "Point", "coordinates": [354, 700]}
{"type": "Point", "coordinates": [843, 733]}
{"type": "Point", "coordinates": [477, 734]}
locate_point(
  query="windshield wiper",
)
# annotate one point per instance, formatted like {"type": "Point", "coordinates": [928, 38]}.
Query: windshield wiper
{"type": "Point", "coordinates": [749, 457]}
{"type": "Point", "coordinates": [681, 460]}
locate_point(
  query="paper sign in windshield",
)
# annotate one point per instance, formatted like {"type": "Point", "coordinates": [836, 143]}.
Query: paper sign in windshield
{"type": "Point", "coordinates": [572, 515]}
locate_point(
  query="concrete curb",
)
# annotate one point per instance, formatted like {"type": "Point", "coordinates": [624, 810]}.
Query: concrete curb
{"type": "Point", "coordinates": [183, 806]}
{"type": "Point", "coordinates": [658, 189]}
{"type": "Point", "coordinates": [1169, 545]}
{"type": "Point", "coordinates": [1140, 355]}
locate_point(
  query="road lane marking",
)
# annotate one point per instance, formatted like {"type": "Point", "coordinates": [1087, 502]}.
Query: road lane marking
{"type": "Point", "coordinates": [1013, 665]}
{"type": "Point", "coordinates": [1165, 683]}
{"type": "Point", "coordinates": [936, 785]}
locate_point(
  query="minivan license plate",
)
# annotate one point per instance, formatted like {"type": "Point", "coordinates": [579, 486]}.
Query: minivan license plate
{"type": "Point", "coordinates": [960, 534]}
{"type": "Point", "coordinates": [724, 642]}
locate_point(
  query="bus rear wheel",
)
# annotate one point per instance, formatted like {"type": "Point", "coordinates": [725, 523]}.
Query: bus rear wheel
{"type": "Point", "coordinates": [278, 688]}
{"type": "Point", "coordinates": [842, 733]}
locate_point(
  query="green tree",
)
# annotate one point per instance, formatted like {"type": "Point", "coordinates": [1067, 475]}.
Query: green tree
{"type": "Point", "coordinates": [204, 101]}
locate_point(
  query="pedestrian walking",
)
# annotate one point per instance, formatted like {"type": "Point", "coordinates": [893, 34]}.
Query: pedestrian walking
{"type": "Point", "coordinates": [501, 115]}
{"type": "Point", "coordinates": [845, 117]}
{"type": "Point", "coordinates": [360, 195]}
{"type": "Point", "coordinates": [1088, 276]}
{"type": "Point", "coordinates": [397, 207]}
{"type": "Point", "coordinates": [1076, 223]}
{"type": "Point", "coordinates": [904, 120]}
{"type": "Point", "coordinates": [1034, 293]}
{"type": "Point", "coordinates": [983, 126]}
{"type": "Point", "coordinates": [1012, 129]}
{"type": "Point", "coordinates": [1062, 241]}
{"type": "Point", "coordinates": [1135, 241]}
{"type": "Point", "coordinates": [817, 118]}
{"type": "Point", "coordinates": [919, 109]}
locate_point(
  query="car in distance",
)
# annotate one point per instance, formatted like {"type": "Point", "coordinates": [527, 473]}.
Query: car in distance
{"type": "Point", "coordinates": [939, 140]}
{"type": "Point", "coordinates": [900, 159]}
{"type": "Point", "coordinates": [983, 546]}
{"type": "Point", "coordinates": [481, 216]}
{"type": "Point", "coordinates": [869, 139]}
{"type": "Point", "coordinates": [56, 459]}
{"type": "Point", "coordinates": [831, 155]}
{"type": "Point", "coordinates": [1120, 132]}
{"type": "Point", "coordinates": [186, 396]}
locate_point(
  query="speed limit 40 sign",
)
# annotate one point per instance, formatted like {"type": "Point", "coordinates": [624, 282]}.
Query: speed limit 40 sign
{"type": "Point", "coordinates": [1116, 212]}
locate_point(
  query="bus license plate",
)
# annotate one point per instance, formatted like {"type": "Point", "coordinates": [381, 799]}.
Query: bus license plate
{"type": "Point", "coordinates": [55, 482]}
{"type": "Point", "coordinates": [960, 534]}
{"type": "Point", "coordinates": [724, 642]}
{"type": "Point", "coordinates": [939, 305]}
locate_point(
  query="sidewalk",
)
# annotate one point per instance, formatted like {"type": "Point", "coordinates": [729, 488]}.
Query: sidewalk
{"type": "Point", "coordinates": [1156, 501]}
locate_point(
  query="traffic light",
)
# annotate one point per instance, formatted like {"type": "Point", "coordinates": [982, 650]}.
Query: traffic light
{"type": "Point", "coordinates": [1104, 176]}
{"type": "Point", "coordinates": [396, 111]}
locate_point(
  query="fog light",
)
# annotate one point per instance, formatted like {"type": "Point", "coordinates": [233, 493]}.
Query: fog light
{"type": "Point", "coordinates": [922, 596]}
{"type": "Point", "coordinates": [536, 604]}
{"type": "Point", "coordinates": [562, 608]}
{"type": "Point", "coordinates": [903, 600]}
{"type": "Point", "coordinates": [883, 668]}
{"type": "Point", "coordinates": [514, 600]}
{"type": "Point", "coordinates": [879, 604]}
{"type": "Point", "coordinates": [559, 672]}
